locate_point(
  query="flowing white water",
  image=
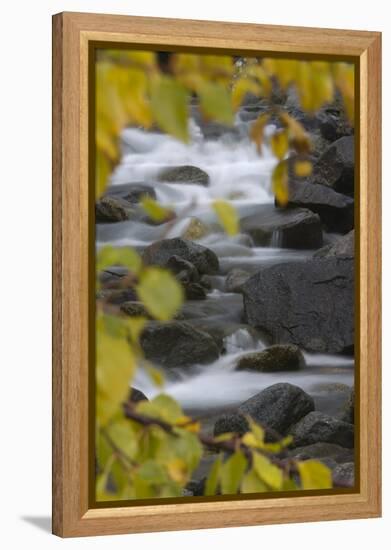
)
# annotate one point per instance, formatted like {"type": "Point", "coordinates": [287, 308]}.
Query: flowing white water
{"type": "Point", "coordinates": [219, 385]}
{"type": "Point", "coordinates": [239, 174]}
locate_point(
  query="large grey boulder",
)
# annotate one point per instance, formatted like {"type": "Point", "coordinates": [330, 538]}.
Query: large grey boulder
{"type": "Point", "coordinates": [335, 210]}
{"type": "Point", "coordinates": [343, 247]}
{"type": "Point", "coordinates": [284, 227]}
{"type": "Point", "coordinates": [310, 304]}
{"type": "Point", "coordinates": [177, 344]}
{"type": "Point", "coordinates": [318, 427]}
{"type": "Point", "coordinates": [160, 253]}
{"type": "Point", "coordinates": [335, 167]}
{"type": "Point", "coordinates": [278, 406]}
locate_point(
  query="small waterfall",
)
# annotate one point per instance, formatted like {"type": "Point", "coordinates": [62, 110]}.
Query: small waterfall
{"type": "Point", "coordinates": [276, 240]}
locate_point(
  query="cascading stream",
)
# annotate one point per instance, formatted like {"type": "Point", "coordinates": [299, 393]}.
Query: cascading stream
{"type": "Point", "coordinates": [237, 173]}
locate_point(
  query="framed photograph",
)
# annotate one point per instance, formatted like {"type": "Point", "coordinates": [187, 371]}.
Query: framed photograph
{"type": "Point", "coordinates": [216, 274]}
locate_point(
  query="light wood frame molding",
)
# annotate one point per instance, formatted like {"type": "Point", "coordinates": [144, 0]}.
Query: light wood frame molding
{"type": "Point", "coordinates": [72, 33]}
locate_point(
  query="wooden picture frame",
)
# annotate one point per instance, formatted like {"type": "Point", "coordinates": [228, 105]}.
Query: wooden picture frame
{"type": "Point", "coordinates": [72, 35]}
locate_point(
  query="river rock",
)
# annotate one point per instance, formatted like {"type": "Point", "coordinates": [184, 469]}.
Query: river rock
{"type": "Point", "coordinates": [235, 279]}
{"type": "Point", "coordinates": [177, 344]}
{"type": "Point", "coordinates": [183, 270]}
{"type": "Point", "coordinates": [335, 210]}
{"type": "Point", "coordinates": [119, 296]}
{"type": "Point", "coordinates": [288, 227]}
{"type": "Point", "coordinates": [135, 396]}
{"type": "Point", "coordinates": [310, 304]}
{"type": "Point", "coordinates": [195, 291]}
{"type": "Point", "coordinates": [342, 247]}
{"type": "Point", "coordinates": [347, 412]}
{"type": "Point", "coordinates": [227, 423]}
{"type": "Point", "coordinates": [134, 309]}
{"type": "Point", "coordinates": [318, 427]}
{"type": "Point", "coordinates": [278, 406]}
{"type": "Point", "coordinates": [160, 252]}
{"type": "Point", "coordinates": [335, 167]}
{"type": "Point", "coordinates": [332, 122]}
{"type": "Point", "coordinates": [323, 450]}
{"type": "Point", "coordinates": [343, 475]}
{"type": "Point", "coordinates": [281, 357]}
{"type": "Point", "coordinates": [184, 174]}
{"type": "Point", "coordinates": [110, 210]}
{"type": "Point", "coordinates": [131, 192]}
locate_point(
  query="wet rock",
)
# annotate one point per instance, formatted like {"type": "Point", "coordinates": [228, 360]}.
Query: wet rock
{"type": "Point", "coordinates": [184, 174]}
{"type": "Point", "coordinates": [113, 277]}
{"type": "Point", "coordinates": [286, 227]}
{"type": "Point", "coordinates": [343, 247]}
{"type": "Point", "coordinates": [131, 192]}
{"type": "Point", "coordinates": [207, 282]}
{"type": "Point", "coordinates": [335, 210]}
{"type": "Point", "coordinates": [195, 291]}
{"type": "Point", "coordinates": [160, 252]}
{"type": "Point", "coordinates": [235, 279]}
{"type": "Point", "coordinates": [281, 357]}
{"type": "Point", "coordinates": [318, 427]}
{"type": "Point", "coordinates": [343, 475]}
{"type": "Point", "coordinates": [227, 423]}
{"type": "Point", "coordinates": [335, 167]}
{"type": "Point", "coordinates": [278, 406]}
{"type": "Point", "coordinates": [183, 270]}
{"type": "Point", "coordinates": [119, 296]}
{"type": "Point", "coordinates": [135, 396]}
{"type": "Point", "coordinates": [332, 122]}
{"type": "Point", "coordinates": [323, 450]}
{"type": "Point", "coordinates": [310, 304]}
{"type": "Point", "coordinates": [134, 309]}
{"type": "Point", "coordinates": [110, 210]}
{"type": "Point", "coordinates": [177, 344]}
{"type": "Point", "coordinates": [347, 412]}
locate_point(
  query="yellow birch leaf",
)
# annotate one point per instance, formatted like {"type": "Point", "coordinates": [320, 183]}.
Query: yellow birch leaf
{"type": "Point", "coordinates": [280, 183]}
{"type": "Point", "coordinates": [227, 216]}
{"type": "Point", "coordinates": [279, 144]}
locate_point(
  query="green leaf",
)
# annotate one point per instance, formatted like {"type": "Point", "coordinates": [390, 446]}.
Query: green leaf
{"type": "Point", "coordinates": [155, 211]}
{"type": "Point", "coordinates": [101, 492]}
{"type": "Point", "coordinates": [169, 105]}
{"type": "Point", "coordinates": [280, 183]}
{"type": "Point", "coordinates": [215, 102]}
{"type": "Point", "coordinates": [213, 477]}
{"type": "Point", "coordinates": [108, 256]}
{"type": "Point", "coordinates": [162, 406]}
{"type": "Point", "coordinates": [114, 369]}
{"type": "Point", "coordinates": [314, 475]}
{"type": "Point", "coordinates": [227, 216]}
{"type": "Point", "coordinates": [124, 437]}
{"type": "Point", "coordinates": [232, 472]}
{"type": "Point", "coordinates": [160, 292]}
{"type": "Point", "coordinates": [253, 484]}
{"type": "Point", "coordinates": [268, 472]}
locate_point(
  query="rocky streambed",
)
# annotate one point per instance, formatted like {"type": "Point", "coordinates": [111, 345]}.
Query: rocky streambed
{"type": "Point", "coordinates": [267, 328]}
